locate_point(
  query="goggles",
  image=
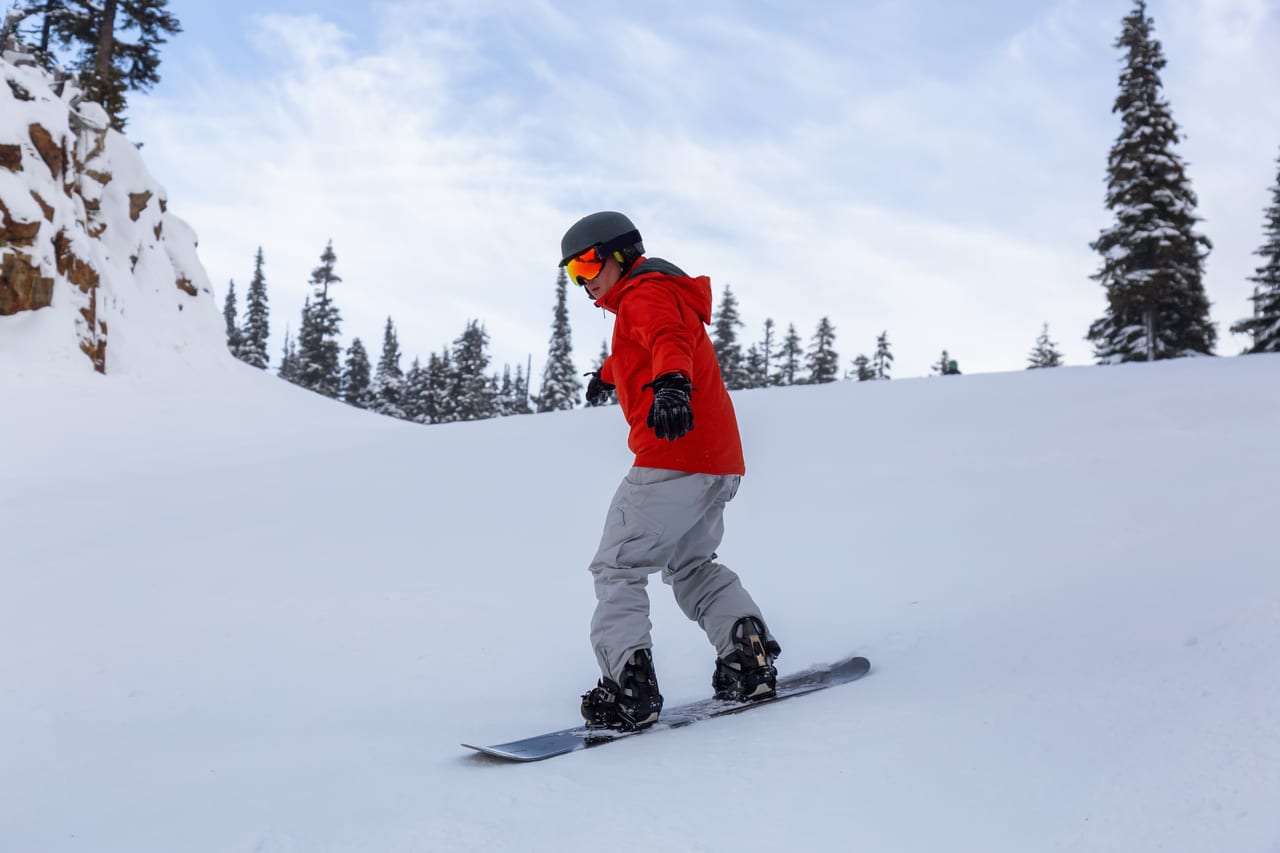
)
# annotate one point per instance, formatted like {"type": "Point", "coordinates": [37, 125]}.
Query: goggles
{"type": "Point", "coordinates": [585, 266]}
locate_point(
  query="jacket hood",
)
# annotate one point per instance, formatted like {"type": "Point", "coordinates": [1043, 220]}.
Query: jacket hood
{"type": "Point", "coordinates": [696, 291]}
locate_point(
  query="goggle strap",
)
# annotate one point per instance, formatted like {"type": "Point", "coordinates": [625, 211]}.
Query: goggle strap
{"type": "Point", "coordinates": [622, 241]}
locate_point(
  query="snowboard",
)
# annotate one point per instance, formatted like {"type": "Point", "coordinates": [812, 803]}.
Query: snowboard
{"type": "Point", "coordinates": [539, 747]}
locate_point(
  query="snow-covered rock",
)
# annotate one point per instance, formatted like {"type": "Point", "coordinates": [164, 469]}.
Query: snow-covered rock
{"type": "Point", "coordinates": [95, 273]}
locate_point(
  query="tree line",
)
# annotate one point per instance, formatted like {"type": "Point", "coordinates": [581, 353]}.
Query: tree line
{"type": "Point", "coordinates": [453, 385]}
{"type": "Point", "coordinates": [457, 384]}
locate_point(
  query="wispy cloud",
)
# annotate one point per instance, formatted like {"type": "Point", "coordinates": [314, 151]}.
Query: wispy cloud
{"type": "Point", "coordinates": [946, 196]}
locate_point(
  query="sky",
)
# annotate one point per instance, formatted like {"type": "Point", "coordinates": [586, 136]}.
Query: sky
{"type": "Point", "coordinates": [919, 168]}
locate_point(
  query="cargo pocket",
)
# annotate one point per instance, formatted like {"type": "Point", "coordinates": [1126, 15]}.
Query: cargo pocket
{"type": "Point", "coordinates": [635, 539]}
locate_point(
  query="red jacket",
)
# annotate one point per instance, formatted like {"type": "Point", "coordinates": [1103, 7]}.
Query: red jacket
{"type": "Point", "coordinates": [662, 314]}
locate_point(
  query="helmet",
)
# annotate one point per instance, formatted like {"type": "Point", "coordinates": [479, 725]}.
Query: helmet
{"type": "Point", "coordinates": [611, 231]}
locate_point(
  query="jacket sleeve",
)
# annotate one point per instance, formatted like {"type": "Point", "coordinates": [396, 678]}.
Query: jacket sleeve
{"type": "Point", "coordinates": [656, 317]}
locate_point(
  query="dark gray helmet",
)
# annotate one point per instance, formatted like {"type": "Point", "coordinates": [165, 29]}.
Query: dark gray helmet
{"type": "Point", "coordinates": [610, 231]}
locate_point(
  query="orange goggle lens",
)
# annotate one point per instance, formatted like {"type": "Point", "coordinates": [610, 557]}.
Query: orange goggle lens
{"type": "Point", "coordinates": [584, 267]}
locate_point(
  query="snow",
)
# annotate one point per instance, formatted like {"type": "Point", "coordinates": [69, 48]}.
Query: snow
{"type": "Point", "coordinates": [236, 616]}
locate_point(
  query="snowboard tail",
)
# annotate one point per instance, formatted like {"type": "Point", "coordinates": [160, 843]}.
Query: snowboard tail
{"type": "Point", "coordinates": [548, 745]}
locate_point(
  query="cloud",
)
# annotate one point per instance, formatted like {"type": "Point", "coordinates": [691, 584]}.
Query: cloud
{"type": "Point", "coordinates": [950, 201]}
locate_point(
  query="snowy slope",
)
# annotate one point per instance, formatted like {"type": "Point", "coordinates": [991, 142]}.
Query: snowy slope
{"type": "Point", "coordinates": [242, 618]}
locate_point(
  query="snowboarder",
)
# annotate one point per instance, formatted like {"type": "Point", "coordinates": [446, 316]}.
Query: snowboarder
{"type": "Point", "coordinates": [668, 514]}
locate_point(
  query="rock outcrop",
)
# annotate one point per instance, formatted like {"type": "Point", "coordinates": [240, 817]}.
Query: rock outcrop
{"type": "Point", "coordinates": [86, 239]}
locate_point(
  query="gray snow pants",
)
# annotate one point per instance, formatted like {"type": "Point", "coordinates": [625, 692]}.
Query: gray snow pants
{"type": "Point", "coordinates": [669, 522]}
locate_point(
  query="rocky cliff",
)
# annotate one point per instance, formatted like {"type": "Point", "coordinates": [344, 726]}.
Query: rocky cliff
{"type": "Point", "coordinates": [94, 269]}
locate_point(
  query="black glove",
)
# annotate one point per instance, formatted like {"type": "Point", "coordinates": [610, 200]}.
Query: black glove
{"type": "Point", "coordinates": [670, 416]}
{"type": "Point", "coordinates": [598, 390]}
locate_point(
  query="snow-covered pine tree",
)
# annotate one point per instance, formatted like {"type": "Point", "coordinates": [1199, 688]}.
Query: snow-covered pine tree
{"type": "Point", "coordinates": [437, 407]}
{"type": "Point", "coordinates": [229, 316]}
{"type": "Point", "coordinates": [1045, 353]}
{"type": "Point", "coordinates": [289, 356]}
{"type": "Point", "coordinates": [822, 360]}
{"type": "Point", "coordinates": [319, 353]}
{"type": "Point", "coordinates": [257, 328]}
{"type": "Point", "coordinates": [414, 398]}
{"type": "Point", "coordinates": [882, 361]}
{"type": "Point", "coordinates": [1152, 257]}
{"type": "Point", "coordinates": [519, 403]}
{"type": "Point", "coordinates": [470, 396]}
{"type": "Point", "coordinates": [1264, 326]}
{"type": "Point", "coordinates": [512, 396]}
{"type": "Point", "coordinates": [862, 368]}
{"type": "Point", "coordinates": [754, 369]}
{"type": "Point", "coordinates": [724, 337]}
{"type": "Point", "coordinates": [561, 386]}
{"type": "Point", "coordinates": [355, 376]}
{"type": "Point", "coordinates": [386, 392]}
{"type": "Point", "coordinates": [495, 394]}
{"type": "Point", "coordinates": [789, 358]}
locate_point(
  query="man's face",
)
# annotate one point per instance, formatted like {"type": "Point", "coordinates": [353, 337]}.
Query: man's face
{"type": "Point", "coordinates": [603, 283]}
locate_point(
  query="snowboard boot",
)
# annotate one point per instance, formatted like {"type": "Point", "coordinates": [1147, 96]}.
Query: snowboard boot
{"type": "Point", "coordinates": [747, 673]}
{"type": "Point", "coordinates": [630, 706]}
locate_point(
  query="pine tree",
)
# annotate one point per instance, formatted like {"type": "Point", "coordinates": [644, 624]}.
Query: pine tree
{"type": "Point", "coordinates": [561, 386]}
{"type": "Point", "coordinates": [823, 361]}
{"type": "Point", "coordinates": [117, 43]}
{"type": "Point", "coordinates": [256, 329]}
{"type": "Point", "coordinates": [767, 347]}
{"type": "Point", "coordinates": [40, 23]}
{"type": "Point", "coordinates": [355, 376]}
{"type": "Point", "coordinates": [386, 393]}
{"type": "Point", "coordinates": [289, 357]}
{"type": "Point", "coordinates": [1152, 258]}
{"type": "Point", "coordinates": [319, 352]}
{"type": "Point", "coordinates": [610, 398]}
{"type": "Point", "coordinates": [512, 394]}
{"type": "Point", "coordinates": [753, 366]}
{"type": "Point", "coordinates": [862, 368]}
{"type": "Point", "coordinates": [229, 315]}
{"type": "Point", "coordinates": [470, 397]}
{"type": "Point", "coordinates": [1264, 326]}
{"type": "Point", "coordinates": [518, 403]}
{"type": "Point", "coordinates": [413, 401]}
{"type": "Point", "coordinates": [724, 337]}
{"type": "Point", "coordinates": [437, 405]}
{"type": "Point", "coordinates": [758, 362]}
{"type": "Point", "coordinates": [882, 361]}
{"type": "Point", "coordinates": [1045, 353]}
{"type": "Point", "coordinates": [789, 358]}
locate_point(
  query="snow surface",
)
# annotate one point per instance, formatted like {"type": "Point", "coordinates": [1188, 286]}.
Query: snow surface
{"type": "Point", "coordinates": [240, 618]}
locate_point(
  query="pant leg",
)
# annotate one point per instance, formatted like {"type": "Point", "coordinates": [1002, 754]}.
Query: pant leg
{"type": "Point", "coordinates": [707, 591]}
{"type": "Point", "coordinates": [630, 550]}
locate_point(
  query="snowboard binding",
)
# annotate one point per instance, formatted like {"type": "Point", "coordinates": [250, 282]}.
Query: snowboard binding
{"type": "Point", "coordinates": [747, 674]}
{"type": "Point", "coordinates": [627, 707]}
